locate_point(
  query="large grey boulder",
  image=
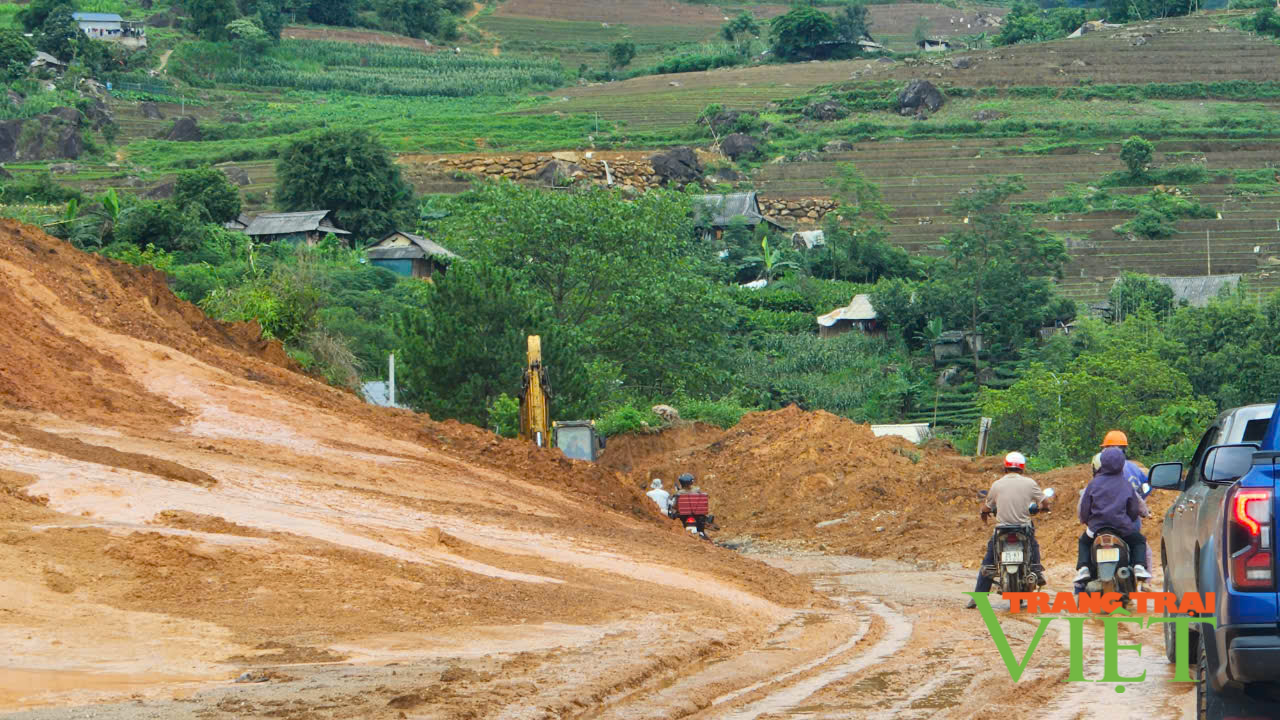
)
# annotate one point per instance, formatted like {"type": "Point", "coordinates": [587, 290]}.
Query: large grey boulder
{"type": "Point", "coordinates": [185, 129]}
{"type": "Point", "coordinates": [739, 145]}
{"type": "Point", "coordinates": [678, 165]}
{"type": "Point", "coordinates": [920, 94]}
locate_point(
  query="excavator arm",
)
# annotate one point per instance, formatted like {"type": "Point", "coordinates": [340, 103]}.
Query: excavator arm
{"type": "Point", "coordinates": [535, 411]}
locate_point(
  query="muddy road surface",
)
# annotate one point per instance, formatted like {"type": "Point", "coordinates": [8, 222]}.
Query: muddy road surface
{"type": "Point", "coordinates": [894, 643]}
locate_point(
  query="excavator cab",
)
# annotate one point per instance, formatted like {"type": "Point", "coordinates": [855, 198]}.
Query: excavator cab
{"type": "Point", "coordinates": [578, 439]}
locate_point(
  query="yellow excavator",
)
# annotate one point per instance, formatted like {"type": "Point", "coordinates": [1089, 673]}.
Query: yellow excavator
{"type": "Point", "coordinates": [577, 439]}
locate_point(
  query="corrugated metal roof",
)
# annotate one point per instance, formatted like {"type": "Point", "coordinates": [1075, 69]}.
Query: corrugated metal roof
{"type": "Point", "coordinates": [292, 222]}
{"type": "Point", "coordinates": [97, 17]}
{"type": "Point", "coordinates": [858, 309]}
{"type": "Point", "coordinates": [1200, 289]}
{"type": "Point", "coordinates": [44, 57]}
{"type": "Point", "coordinates": [421, 247]}
{"type": "Point", "coordinates": [720, 210]}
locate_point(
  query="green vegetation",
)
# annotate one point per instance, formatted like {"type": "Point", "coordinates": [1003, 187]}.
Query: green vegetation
{"type": "Point", "coordinates": [348, 172]}
{"type": "Point", "coordinates": [1161, 379]}
{"type": "Point", "coordinates": [371, 69]}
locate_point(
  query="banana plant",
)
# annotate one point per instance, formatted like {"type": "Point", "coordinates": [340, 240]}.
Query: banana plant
{"type": "Point", "coordinates": [770, 262]}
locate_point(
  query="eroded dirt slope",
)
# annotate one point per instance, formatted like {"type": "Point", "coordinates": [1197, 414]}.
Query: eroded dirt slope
{"type": "Point", "coordinates": [822, 482]}
{"type": "Point", "coordinates": [179, 506]}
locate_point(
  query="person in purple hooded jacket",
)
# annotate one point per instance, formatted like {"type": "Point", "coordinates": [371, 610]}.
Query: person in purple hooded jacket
{"type": "Point", "coordinates": [1109, 501]}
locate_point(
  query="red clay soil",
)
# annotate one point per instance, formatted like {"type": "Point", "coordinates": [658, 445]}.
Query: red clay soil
{"type": "Point", "coordinates": [176, 499]}
{"type": "Point", "coordinates": [44, 368]}
{"type": "Point", "coordinates": [777, 474]}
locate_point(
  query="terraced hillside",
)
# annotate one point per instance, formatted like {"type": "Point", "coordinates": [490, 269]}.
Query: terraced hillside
{"type": "Point", "coordinates": [579, 31]}
{"type": "Point", "coordinates": [1200, 49]}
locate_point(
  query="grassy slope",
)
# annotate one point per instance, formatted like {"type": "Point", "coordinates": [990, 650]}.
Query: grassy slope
{"type": "Point", "coordinates": [1052, 141]}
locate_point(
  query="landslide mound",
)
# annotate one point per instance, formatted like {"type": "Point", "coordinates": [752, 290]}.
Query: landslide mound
{"type": "Point", "coordinates": [778, 475]}
{"type": "Point", "coordinates": [49, 291]}
{"type": "Point", "coordinates": [55, 301]}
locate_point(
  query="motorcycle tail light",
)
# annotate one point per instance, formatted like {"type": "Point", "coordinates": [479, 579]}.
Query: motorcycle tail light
{"type": "Point", "coordinates": [1011, 538]}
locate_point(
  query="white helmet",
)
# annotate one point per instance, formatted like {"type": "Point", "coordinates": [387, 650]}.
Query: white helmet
{"type": "Point", "coordinates": [656, 484]}
{"type": "Point", "coordinates": [1015, 461]}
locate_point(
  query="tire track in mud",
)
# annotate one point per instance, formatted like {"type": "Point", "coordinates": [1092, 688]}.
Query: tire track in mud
{"type": "Point", "coordinates": [788, 698]}
{"type": "Point", "coordinates": [1155, 696]}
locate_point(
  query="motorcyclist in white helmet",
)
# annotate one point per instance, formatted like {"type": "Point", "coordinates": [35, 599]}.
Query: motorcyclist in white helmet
{"type": "Point", "coordinates": [1009, 498]}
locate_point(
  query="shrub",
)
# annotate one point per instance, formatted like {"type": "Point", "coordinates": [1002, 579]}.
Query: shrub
{"type": "Point", "coordinates": [627, 419]}
{"type": "Point", "coordinates": [504, 416]}
{"type": "Point", "coordinates": [160, 223]}
{"type": "Point", "coordinates": [1136, 155]}
{"type": "Point", "coordinates": [723, 413]}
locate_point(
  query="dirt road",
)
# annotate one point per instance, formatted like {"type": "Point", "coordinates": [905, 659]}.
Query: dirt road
{"type": "Point", "coordinates": [894, 645]}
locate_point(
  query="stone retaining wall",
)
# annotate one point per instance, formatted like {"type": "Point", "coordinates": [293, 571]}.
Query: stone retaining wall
{"type": "Point", "coordinates": [626, 172]}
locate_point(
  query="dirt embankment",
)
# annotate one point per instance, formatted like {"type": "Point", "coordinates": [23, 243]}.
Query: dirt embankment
{"type": "Point", "coordinates": [177, 502]}
{"type": "Point", "coordinates": [823, 482]}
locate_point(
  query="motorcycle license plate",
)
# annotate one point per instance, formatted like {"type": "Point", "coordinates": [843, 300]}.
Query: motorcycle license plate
{"type": "Point", "coordinates": [1109, 555]}
{"type": "Point", "coordinates": [1011, 556]}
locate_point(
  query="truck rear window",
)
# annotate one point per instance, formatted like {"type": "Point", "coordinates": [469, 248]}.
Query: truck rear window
{"type": "Point", "coordinates": [1255, 430]}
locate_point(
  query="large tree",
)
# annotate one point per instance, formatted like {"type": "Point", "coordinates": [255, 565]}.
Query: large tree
{"type": "Point", "coordinates": [34, 14]}
{"type": "Point", "coordinates": [208, 194]}
{"type": "Point", "coordinates": [999, 265]}
{"type": "Point", "coordinates": [209, 18]}
{"type": "Point", "coordinates": [624, 273]}
{"type": "Point", "coordinates": [348, 172]}
{"type": "Point", "coordinates": [332, 12]}
{"type": "Point", "coordinates": [800, 32]}
{"type": "Point", "coordinates": [60, 35]}
{"type": "Point", "coordinates": [416, 18]}
{"type": "Point", "coordinates": [268, 13]}
{"type": "Point", "coordinates": [15, 53]}
{"type": "Point", "coordinates": [468, 347]}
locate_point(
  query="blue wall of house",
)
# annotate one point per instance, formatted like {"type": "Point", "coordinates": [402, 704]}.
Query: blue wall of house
{"type": "Point", "coordinates": [399, 267]}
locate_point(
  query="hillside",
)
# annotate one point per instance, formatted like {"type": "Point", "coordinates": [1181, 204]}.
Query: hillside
{"type": "Point", "coordinates": [1198, 87]}
{"type": "Point", "coordinates": [178, 508]}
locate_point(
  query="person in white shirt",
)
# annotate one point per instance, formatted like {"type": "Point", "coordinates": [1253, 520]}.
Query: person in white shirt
{"type": "Point", "coordinates": [658, 495]}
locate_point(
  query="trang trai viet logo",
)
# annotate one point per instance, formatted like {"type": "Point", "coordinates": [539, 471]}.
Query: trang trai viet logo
{"type": "Point", "coordinates": [1075, 610]}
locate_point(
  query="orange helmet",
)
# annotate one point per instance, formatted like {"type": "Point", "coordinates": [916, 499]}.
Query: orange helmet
{"type": "Point", "coordinates": [1115, 438]}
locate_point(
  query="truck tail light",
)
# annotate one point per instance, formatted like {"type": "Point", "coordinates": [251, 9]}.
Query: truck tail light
{"type": "Point", "coordinates": [1249, 539]}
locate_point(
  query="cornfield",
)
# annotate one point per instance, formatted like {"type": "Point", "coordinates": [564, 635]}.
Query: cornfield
{"type": "Point", "coordinates": [372, 69]}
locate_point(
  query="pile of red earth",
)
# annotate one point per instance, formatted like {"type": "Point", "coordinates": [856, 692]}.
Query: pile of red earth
{"type": "Point", "coordinates": [49, 289]}
{"type": "Point", "coordinates": [819, 481]}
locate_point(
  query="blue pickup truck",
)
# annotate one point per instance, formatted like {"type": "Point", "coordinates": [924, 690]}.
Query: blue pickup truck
{"type": "Point", "coordinates": [1219, 537]}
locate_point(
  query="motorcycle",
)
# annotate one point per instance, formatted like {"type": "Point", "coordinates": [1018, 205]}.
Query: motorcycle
{"type": "Point", "coordinates": [1112, 567]}
{"type": "Point", "coordinates": [691, 510]}
{"type": "Point", "coordinates": [1012, 553]}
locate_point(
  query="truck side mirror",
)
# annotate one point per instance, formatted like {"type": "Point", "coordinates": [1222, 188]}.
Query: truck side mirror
{"type": "Point", "coordinates": [1228, 463]}
{"type": "Point", "coordinates": [1166, 476]}
{"type": "Point", "coordinates": [602, 443]}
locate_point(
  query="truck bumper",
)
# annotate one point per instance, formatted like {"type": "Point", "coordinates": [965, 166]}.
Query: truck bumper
{"type": "Point", "coordinates": [1243, 654]}
{"type": "Point", "coordinates": [1254, 658]}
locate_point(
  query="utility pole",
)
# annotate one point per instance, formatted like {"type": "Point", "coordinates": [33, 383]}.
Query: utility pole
{"type": "Point", "coordinates": [1208, 261]}
{"type": "Point", "coordinates": [391, 379]}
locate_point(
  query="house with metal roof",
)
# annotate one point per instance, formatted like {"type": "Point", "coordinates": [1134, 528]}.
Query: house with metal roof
{"type": "Point", "coordinates": [44, 60]}
{"type": "Point", "coordinates": [410, 255]}
{"type": "Point", "coordinates": [1198, 290]}
{"type": "Point", "coordinates": [309, 226]}
{"type": "Point", "coordinates": [714, 213]}
{"type": "Point", "coordinates": [111, 27]}
{"type": "Point", "coordinates": [858, 314]}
